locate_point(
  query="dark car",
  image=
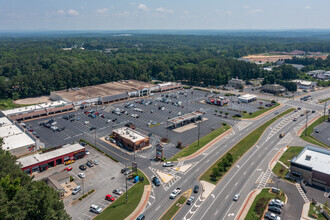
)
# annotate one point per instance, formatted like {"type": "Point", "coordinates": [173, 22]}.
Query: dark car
{"type": "Point", "coordinates": [124, 170]}
{"type": "Point", "coordinates": [196, 189]}
{"type": "Point", "coordinates": [313, 111]}
{"type": "Point", "coordinates": [90, 164]}
{"type": "Point", "coordinates": [92, 128]}
{"type": "Point", "coordinates": [317, 130]}
{"type": "Point", "coordinates": [156, 181]}
{"type": "Point", "coordinates": [83, 167]}
{"type": "Point", "coordinates": [274, 209]}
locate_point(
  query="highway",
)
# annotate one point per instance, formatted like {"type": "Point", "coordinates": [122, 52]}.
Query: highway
{"type": "Point", "coordinates": [241, 178]}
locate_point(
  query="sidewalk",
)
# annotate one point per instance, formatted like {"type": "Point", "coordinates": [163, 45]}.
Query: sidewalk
{"type": "Point", "coordinates": [247, 204]}
{"type": "Point", "coordinates": [304, 213]}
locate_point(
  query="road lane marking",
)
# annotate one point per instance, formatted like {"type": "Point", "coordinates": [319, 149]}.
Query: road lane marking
{"type": "Point", "coordinates": [158, 207]}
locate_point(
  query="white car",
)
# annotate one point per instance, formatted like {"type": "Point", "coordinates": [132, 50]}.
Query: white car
{"type": "Point", "coordinates": [81, 175]}
{"type": "Point", "coordinates": [168, 164]}
{"type": "Point", "coordinates": [236, 197]}
{"type": "Point", "coordinates": [117, 191]}
{"type": "Point", "coordinates": [96, 209]}
{"type": "Point", "coordinates": [175, 192]}
{"type": "Point", "coordinates": [281, 203]}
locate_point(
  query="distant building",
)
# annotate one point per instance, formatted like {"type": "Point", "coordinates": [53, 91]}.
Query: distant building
{"type": "Point", "coordinates": [305, 84]}
{"type": "Point", "coordinates": [314, 73]}
{"type": "Point", "coordinates": [236, 83]}
{"type": "Point", "coordinates": [57, 180]}
{"type": "Point", "coordinates": [273, 88]}
{"type": "Point", "coordinates": [313, 166]}
{"type": "Point", "coordinates": [247, 98]}
{"type": "Point", "coordinates": [185, 119]}
{"type": "Point", "coordinates": [130, 138]}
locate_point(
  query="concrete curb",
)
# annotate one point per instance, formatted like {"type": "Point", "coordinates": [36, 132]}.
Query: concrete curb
{"type": "Point", "coordinates": [263, 114]}
{"type": "Point", "coordinates": [207, 146]}
{"type": "Point", "coordinates": [247, 204]}
{"type": "Point", "coordinates": [275, 159]}
{"type": "Point", "coordinates": [308, 124]}
{"type": "Point", "coordinates": [143, 202]}
{"type": "Point", "coordinates": [304, 212]}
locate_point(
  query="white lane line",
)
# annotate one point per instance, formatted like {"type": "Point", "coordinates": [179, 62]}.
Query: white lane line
{"type": "Point", "coordinates": [216, 212]}
{"type": "Point", "coordinates": [158, 207]}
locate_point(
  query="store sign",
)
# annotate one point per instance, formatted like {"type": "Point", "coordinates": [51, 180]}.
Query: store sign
{"type": "Point", "coordinates": [159, 151]}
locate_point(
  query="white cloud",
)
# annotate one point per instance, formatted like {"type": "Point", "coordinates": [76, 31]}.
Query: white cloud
{"type": "Point", "coordinates": [102, 10]}
{"type": "Point", "coordinates": [60, 12]}
{"type": "Point", "coordinates": [124, 13]}
{"type": "Point", "coordinates": [185, 12]}
{"type": "Point", "coordinates": [143, 7]}
{"type": "Point", "coordinates": [164, 10]}
{"type": "Point", "coordinates": [307, 7]}
{"type": "Point", "coordinates": [73, 12]}
{"type": "Point", "coordinates": [256, 11]}
{"type": "Point", "coordinates": [246, 6]}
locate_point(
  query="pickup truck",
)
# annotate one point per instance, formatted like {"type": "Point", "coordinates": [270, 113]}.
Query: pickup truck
{"type": "Point", "coordinates": [175, 192]}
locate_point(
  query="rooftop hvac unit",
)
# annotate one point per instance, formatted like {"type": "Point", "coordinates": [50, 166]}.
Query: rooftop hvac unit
{"type": "Point", "coordinates": [308, 157]}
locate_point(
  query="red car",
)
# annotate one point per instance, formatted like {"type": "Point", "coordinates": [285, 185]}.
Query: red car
{"type": "Point", "coordinates": [30, 130]}
{"type": "Point", "coordinates": [110, 198]}
{"type": "Point", "coordinates": [68, 168]}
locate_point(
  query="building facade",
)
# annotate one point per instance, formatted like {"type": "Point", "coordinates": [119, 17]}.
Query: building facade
{"type": "Point", "coordinates": [236, 83]}
{"type": "Point", "coordinates": [273, 88]}
{"type": "Point", "coordinates": [130, 138]}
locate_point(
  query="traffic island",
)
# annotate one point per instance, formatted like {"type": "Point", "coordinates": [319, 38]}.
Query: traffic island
{"type": "Point", "coordinates": [216, 171]}
{"type": "Point", "coordinates": [260, 204]}
{"type": "Point", "coordinates": [177, 205]}
{"type": "Point", "coordinates": [119, 209]}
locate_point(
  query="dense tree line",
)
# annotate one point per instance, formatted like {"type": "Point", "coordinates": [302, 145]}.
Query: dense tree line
{"type": "Point", "coordinates": [33, 66]}
{"type": "Point", "coordinates": [22, 198]}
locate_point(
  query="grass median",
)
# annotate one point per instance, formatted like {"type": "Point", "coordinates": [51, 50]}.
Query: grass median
{"type": "Point", "coordinates": [194, 147]}
{"type": "Point", "coordinates": [174, 208]}
{"type": "Point", "coordinates": [324, 100]}
{"type": "Point", "coordinates": [260, 203]}
{"type": "Point", "coordinates": [239, 149]}
{"type": "Point", "coordinates": [310, 129]}
{"type": "Point", "coordinates": [119, 209]}
{"type": "Point", "coordinates": [257, 113]}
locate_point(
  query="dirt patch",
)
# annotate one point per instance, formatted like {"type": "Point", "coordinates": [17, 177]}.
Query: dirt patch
{"type": "Point", "coordinates": [31, 101]}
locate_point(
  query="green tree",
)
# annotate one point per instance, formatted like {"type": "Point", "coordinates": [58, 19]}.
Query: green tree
{"type": "Point", "coordinates": [229, 157]}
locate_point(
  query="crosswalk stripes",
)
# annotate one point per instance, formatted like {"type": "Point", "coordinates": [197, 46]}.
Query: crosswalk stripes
{"type": "Point", "coordinates": [264, 179]}
{"type": "Point", "coordinates": [167, 185]}
{"type": "Point", "coordinates": [302, 193]}
{"type": "Point", "coordinates": [243, 124]}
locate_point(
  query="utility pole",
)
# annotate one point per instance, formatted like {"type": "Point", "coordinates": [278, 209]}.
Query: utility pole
{"type": "Point", "coordinates": [95, 138]}
{"type": "Point", "coordinates": [199, 129]}
{"type": "Point", "coordinates": [126, 186]}
{"type": "Point", "coordinates": [83, 186]}
{"type": "Point", "coordinates": [325, 105]}
{"type": "Point", "coordinates": [306, 122]}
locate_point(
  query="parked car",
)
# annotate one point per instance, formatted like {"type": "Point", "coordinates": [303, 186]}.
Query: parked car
{"type": "Point", "coordinates": [272, 216]}
{"type": "Point", "coordinates": [83, 167]}
{"type": "Point", "coordinates": [236, 197]}
{"type": "Point", "coordinates": [110, 198]}
{"type": "Point", "coordinates": [127, 172]}
{"type": "Point", "coordinates": [140, 217]}
{"type": "Point", "coordinates": [68, 168]}
{"type": "Point", "coordinates": [117, 191]}
{"type": "Point", "coordinates": [317, 130]}
{"type": "Point", "coordinates": [96, 209]}
{"type": "Point", "coordinates": [190, 200]}
{"type": "Point", "coordinates": [274, 209]}
{"type": "Point", "coordinates": [96, 162]}
{"type": "Point", "coordinates": [92, 128]}
{"type": "Point", "coordinates": [68, 162]}
{"type": "Point", "coordinates": [196, 189]}
{"type": "Point", "coordinates": [168, 164]}
{"type": "Point", "coordinates": [76, 190]}
{"type": "Point", "coordinates": [90, 164]}
{"type": "Point", "coordinates": [81, 175]}
{"type": "Point", "coordinates": [278, 201]}
{"type": "Point", "coordinates": [87, 152]}
{"type": "Point", "coordinates": [295, 119]}
{"type": "Point", "coordinates": [156, 181]}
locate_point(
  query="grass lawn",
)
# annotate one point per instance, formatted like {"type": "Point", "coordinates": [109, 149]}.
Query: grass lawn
{"type": "Point", "coordinates": [192, 148]}
{"type": "Point", "coordinates": [290, 153]}
{"type": "Point", "coordinates": [243, 146]}
{"type": "Point", "coordinates": [260, 203]}
{"type": "Point", "coordinates": [312, 213]}
{"type": "Point", "coordinates": [257, 113]}
{"type": "Point", "coordinates": [310, 129]}
{"type": "Point", "coordinates": [280, 170]}
{"type": "Point", "coordinates": [119, 209]}
{"type": "Point", "coordinates": [324, 100]}
{"type": "Point", "coordinates": [174, 208]}
{"type": "Point", "coordinates": [8, 104]}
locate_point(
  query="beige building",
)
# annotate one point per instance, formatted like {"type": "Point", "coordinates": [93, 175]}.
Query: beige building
{"type": "Point", "coordinates": [130, 138]}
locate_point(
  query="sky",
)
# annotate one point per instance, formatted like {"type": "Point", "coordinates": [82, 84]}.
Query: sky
{"type": "Point", "coordinates": [36, 15]}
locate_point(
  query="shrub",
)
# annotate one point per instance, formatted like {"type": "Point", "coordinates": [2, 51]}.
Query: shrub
{"type": "Point", "coordinates": [71, 178]}
{"type": "Point", "coordinates": [229, 157]}
{"type": "Point", "coordinates": [250, 113]}
{"type": "Point", "coordinates": [244, 111]}
{"type": "Point", "coordinates": [261, 107]}
{"type": "Point", "coordinates": [224, 124]}
{"type": "Point", "coordinates": [226, 113]}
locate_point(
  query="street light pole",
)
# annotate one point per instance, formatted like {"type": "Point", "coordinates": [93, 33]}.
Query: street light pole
{"type": "Point", "coordinates": [325, 105]}
{"type": "Point", "coordinates": [306, 123]}
{"type": "Point", "coordinates": [199, 128]}
{"type": "Point", "coordinates": [126, 186]}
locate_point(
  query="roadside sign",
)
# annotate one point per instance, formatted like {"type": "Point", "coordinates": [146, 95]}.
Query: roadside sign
{"type": "Point", "coordinates": [159, 151]}
{"type": "Point", "coordinates": [134, 166]}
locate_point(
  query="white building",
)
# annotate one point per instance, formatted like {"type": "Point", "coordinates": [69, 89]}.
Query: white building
{"type": "Point", "coordinates": [302, 84]}
{"type": "Point", "coordinates": [247, 98]}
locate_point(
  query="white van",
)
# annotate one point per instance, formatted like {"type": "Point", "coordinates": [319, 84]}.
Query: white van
{"type": "Point", "coordinates": [86, 122]}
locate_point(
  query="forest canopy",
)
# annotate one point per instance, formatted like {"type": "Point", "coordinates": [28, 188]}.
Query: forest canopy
{"type": "Point", "coordinates": [33, 66]}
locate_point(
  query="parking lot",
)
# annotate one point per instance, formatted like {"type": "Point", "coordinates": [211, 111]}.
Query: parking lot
{"type": "Point", "coordinates": [323, 132]}
{"type": "Point", "coordinates": [149, 115]}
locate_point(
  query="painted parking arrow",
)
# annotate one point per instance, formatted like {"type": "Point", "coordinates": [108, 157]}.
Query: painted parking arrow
{"type": "Point", "coordinates": [231, 214]}
{"type": "Point", "coordinates": [213, 196]}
